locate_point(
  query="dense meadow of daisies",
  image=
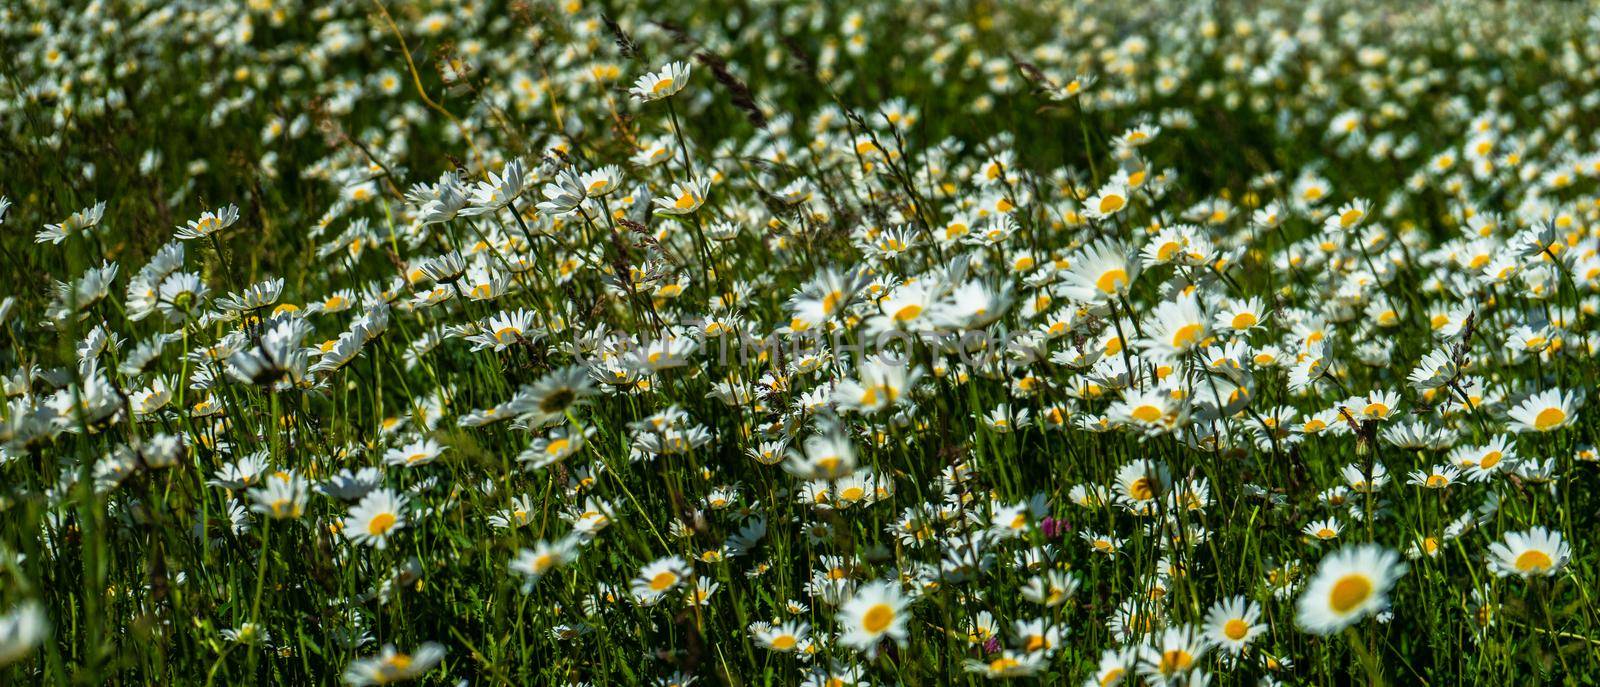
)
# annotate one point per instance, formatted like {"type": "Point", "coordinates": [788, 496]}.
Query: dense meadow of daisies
{"type": "Point", "coordinates": [744, 342]}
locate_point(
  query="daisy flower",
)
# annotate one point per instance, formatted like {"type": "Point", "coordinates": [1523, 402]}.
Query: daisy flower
{"type": "Point", "coordinates": [1113, 667]}
{"type": "Point", "coordinates": [392, 666]}
{"type": "Point", "coordinates": [1240, 316]}
{"type": "Point", "coordinates": [419, 452]}
{"type": "Point", "coordinates": [209, 223]}
{"type": "Point", "coordinates": [1176, 327]}
{"type": "Point", "coordinates": [561, 443]}
{"type": "Point", "coordinates": [1349, 216]}
{"type": "Point", "coordinates": [1098, 273]}
{"type": "Point", "coordinates": [1349, 584]}
{"type": "Point", "coordinates": [498, 191]}
{"type": "Point", "coordinates": [1323, 530]}
{"type": "Point", "coordinates": [875, 611]}
{"type": "Point", "coordinates": [532, 564]}
{"type": "Point", "coordinates": [1435, 370]}
{"type": "Point", "coordinates": [375, 519]}
{"type": "Point", "coordinates": [1175, 653]}
{"type": "Point", "coordinates": [662, 84]}
{"type": "Point", "coordinates": [1546, 411]}
{"type": "Point", "coordinates": [826, 456]}
{"type": "Point", "coordinates": [1535, 553]}
{"type": "Point", "coordinates": [784, 637]}
{"type": "Point", "coordinates": [685, 198]}
{"type": "Point", "coordinates": [1008, 664]}
{"type": "Point", "coordinates": [1376, 405]}
{"type": "Point", "coordinates": [281, 498]}
{"type": "Point", "coordinates": [659, 577]}
{"type": "Point", "coordinates": [1110, 200]}
{"type": "Point", "coordinates": [1435, 477]}
{"type": "Point", "coordinates": [1232, 623]}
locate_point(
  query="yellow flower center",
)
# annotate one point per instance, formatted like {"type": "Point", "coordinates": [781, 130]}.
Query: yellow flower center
{"type": "Point", "coordinates": [1175, 660]}
{"type": "Point", "coordinates": [829, 464]}
{"type": "Point", "coordinates": [1146, 413]}
{"type": "Point", "coordinates": [1004, 663]}
{"type": "Point", "coordinates": [1187, 335]}
{"type": "Point", "coordinates": [1349, 593]}
{"type": "Point", "coordinates": [1534, 561]}
{"type": "Point", "coordinates": [1112, 280]}
{"type": "Point", "coordinates": [1549, 418]}
{"type": "Point", "coordinates": [907, 313]}
{"type": "Point", "coordinates": [1235, 629]}
{"type": "Point", "coordinates": [663, 581]}
{"type": "Point", "coordinates": [381, 523]}
{"type": "Point", "coordinates": [543, 562]}
{"type": "Point", "coordinates": [877, 618]}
